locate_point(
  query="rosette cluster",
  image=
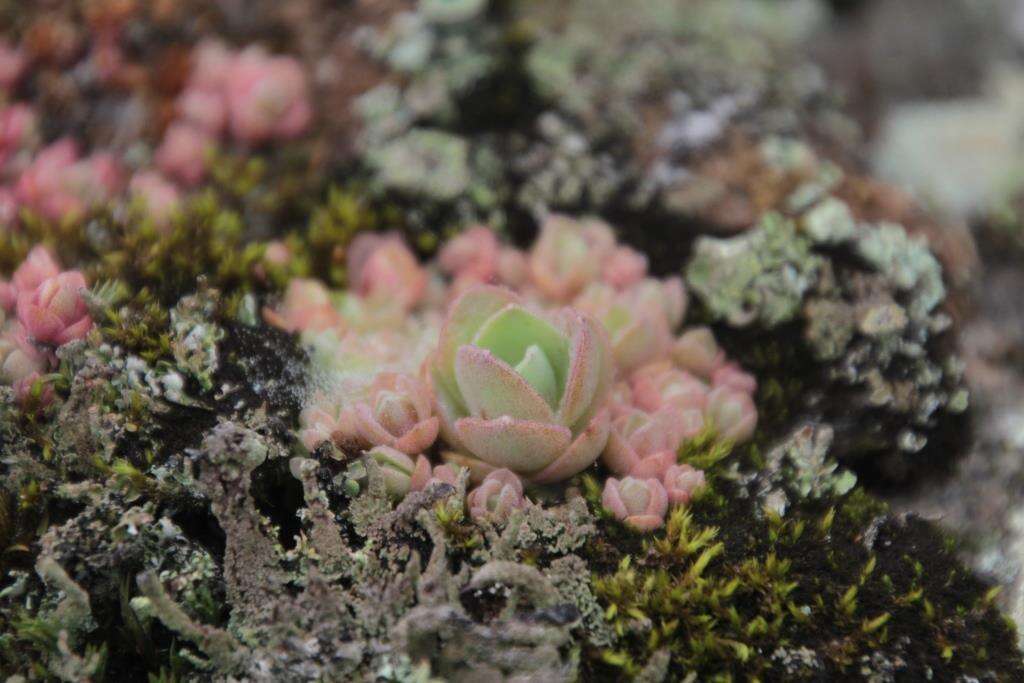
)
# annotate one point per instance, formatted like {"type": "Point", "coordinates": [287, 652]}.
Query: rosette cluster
{"type": "Point", "coordinates": [508, 370]}
{"type": "Point", "coordinates": [41, 309]}
{"type": "Point", "coordinates": [247, 97]}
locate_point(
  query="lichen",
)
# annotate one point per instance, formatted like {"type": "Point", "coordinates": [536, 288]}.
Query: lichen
{"type": "Point", "coordinates": [760, 276]}
{"type": "Point", "coordinates": [162, 518]}
{"type": "Point", "coordinates": [866, 296]}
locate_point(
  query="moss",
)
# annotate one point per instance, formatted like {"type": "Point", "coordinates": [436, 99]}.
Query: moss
{"type": "Point", "coordinates": [731, 593]}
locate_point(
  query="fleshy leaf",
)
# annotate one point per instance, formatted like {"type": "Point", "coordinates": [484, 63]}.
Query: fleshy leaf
{"type": "Point", "coordinates": [467, 314]}
{"type": "Point", "coordinates": [492, 389]}
{"type": "Point", "coordinates": [519, 445]}
{"type": "Point", "coordinates": [536, 369]}
{"type": "Point", "coordinates": [511, 332]}
{"type": "Point", "coordinates": [580, 454]}
{"type": "Point", "coordinates": [589, 376]}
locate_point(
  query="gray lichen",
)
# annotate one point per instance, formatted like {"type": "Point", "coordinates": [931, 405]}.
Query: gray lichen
{"type": "Point", "coordinates": [378, 606]}
{"type": "Point", "coordinates": [761, 276]}
{"type": "Point", "coordinates": [424, 162]}
{"type": "Point", "coordinates": [865, 295]}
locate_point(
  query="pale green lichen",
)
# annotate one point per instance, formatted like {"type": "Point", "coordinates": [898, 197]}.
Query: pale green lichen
{"type": "Point", "coordinates": [760, 276]}
{"type": "Point", "coordinates": [907, 263]}
{"type": "Point", "coordinates": [872, 319]}
{"type": "Point", "coordinates": [424, 162]}
{"type": "Point", "coordinates": [829, 222]}
{"type": "Point", "coordinates": [802, 463]}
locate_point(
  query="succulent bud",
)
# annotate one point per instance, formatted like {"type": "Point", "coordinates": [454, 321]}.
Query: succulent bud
{"type": "Point", "coordinates": [397, 468]}
{"type": "Point", "coordinates": [383, 267]}
{"type": "Point", "coordinates": [159, 196]}
{"type": "Point", "coordinates": [624, 267]}
{"type": "Point", "coordinates": [500, 493]}
{"type": "Point", "coordinates": [397, 413]}
{"type": "Point", "coordinates": [697, 351]}
{"type": "Point", "coordinates": [681, 482]}
{"type": "Point", "coordinates": [733, 413]}
{"type": "Point", "coordinates": [55, 312]}
{"type": "Point", "coordinates": [184, 152]}
{"type": "Point", "coordinates": [267, 97]}
{"type": "Point", "coordinates": [639, 503]}
{"type": "Point", "coordinates": [642, 444]}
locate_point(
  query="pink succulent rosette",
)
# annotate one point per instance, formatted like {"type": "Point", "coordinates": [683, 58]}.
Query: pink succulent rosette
{"type": "Point", "coordinates": [55, 313]}
{"type": "Point", "coordinates": [397, 413]}
{"type": "Point", "coordinates": [660, 298]}
{"type": "Point", "coordinates": [513, 268]}
{"type": "Point", "coordinates": [323, 420]}
{"type": "Point", "coordinates": [730, 375]}
{"type": "Point", "coordinates": [306, 306]}
{"type": "Point", "coordinates": [18, 130]}
{"type": "Point", "coordinates": [424, 474]}
{"type": "Point", "coordinates": [58, 185]}
{"type": "Point", "coordinates": [267, 97]}
{"type": "Point", "coordinates": [697, 351]}
{"type": "Point", "coordinates": [205, 109]}
{"type": "Point", "coordinates": [160, 197]}
{"type": "Point", "coordinates": [639, 503]}
{"type": "Point", "coordinates": [184, 152]}
{"type": "Point", "coordinates": [661, 386]}
{"type": "Point", "coordinates": [500, 493]}
{"type": "Point", "coordinates": [521, 390]}
{"type": "Point", "coordinates": [624, 267]}
{"type": "Point", "coordinates": [472, 255]}
{"type": "Point", "coordinates": [642, 444]}
{"type": "Point", "coordinates": [211, 65]}
{"type": "Point", "coordinates": [638, 335]}
{"type": "Point", "coordinates": [569, 255]}
{"type": "Point", "coordinates": [397, 468]}
{"type": "Point", "coordinates": [681, 482]}
{"type": "Point", "coordinates": [733, 413]}
{"type": "Point", "coordinates": [19, 358]}
{"type": "Point", "coordinates": [37, 267]}
{"type": "Point", "coordinates": [382, 267]}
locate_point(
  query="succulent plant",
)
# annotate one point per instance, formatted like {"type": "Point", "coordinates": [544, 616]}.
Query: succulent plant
{"type": "Point", "coordinates": [697, 351]}
{"type": "Point", "coordinates": [663, 386]}
{"type": "Point", "coordinates": [518, 389]}
{"type": "Point", "coordinates": [306, 306]}
{"type": "Point", "coordinates": [39, 265]}
{"type": "Point", "coordinates": [60, 185]}
{"type": "Point", "coordinates": [383, 266]}
{"type": "Point", "coordinates": [644, 444]}
{"type": "Point", "coordinates": [424, 475]}
{"type": "Point", "coordinates": [638, 503]}
{"type": "Point", "coordinates": [397, 414]}
{"type": "Point", "coordinates": [498, 495]}
{"type": "Point", "coordinates": [638, 334]}
{"type": "Point", "coordinates": [681, 482]}
{"type": "Point", "coordinates": [733, 413]}
{"type": "Point", "coordinates": [569, 255]}
{"type": "Point", "coordinates": [397, 468]}
{"type": "Point", "coordinates": [55, 312]}
{"type": "Point", "coordinates": [472, 254]}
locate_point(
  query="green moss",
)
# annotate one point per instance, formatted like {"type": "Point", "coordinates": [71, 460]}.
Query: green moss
{"type": "Point", "coordinates": [731, 592]}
